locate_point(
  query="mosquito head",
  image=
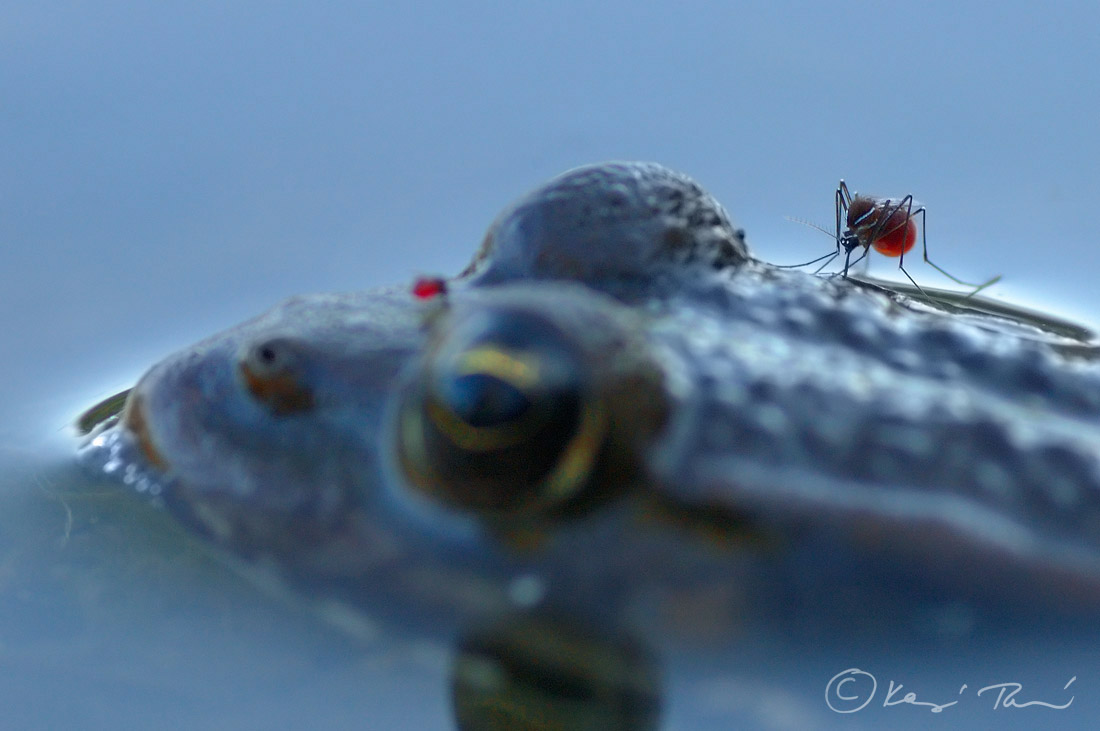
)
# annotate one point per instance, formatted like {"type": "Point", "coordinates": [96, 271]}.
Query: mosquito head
{"type": "Point", "coordinates": [850, 241]}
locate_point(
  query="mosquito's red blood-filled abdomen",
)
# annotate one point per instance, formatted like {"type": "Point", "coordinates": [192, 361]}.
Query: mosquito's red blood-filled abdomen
{"type": "Point", "coordinates": [899, 236]}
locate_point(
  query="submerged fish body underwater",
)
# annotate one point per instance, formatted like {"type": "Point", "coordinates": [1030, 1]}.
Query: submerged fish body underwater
{"type": "Point", "coordinates": [618, 446]}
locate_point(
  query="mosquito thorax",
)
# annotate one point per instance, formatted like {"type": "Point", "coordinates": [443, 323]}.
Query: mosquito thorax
{"type": "Point", "coordinates": [858, 210]}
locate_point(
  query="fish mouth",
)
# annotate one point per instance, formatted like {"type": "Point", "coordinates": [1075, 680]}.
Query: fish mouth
{"type": "Point", "coordinates": [135, 422]}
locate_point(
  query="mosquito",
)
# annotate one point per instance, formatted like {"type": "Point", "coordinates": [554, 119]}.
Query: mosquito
{"type": "Point", "coordinates": [887, 226]}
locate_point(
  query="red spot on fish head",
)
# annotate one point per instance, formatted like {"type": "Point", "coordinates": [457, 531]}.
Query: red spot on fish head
{"type": "Point", "coordinates": [426, 288]}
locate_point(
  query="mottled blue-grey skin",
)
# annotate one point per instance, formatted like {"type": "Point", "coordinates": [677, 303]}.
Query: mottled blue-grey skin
{"type": "Point", "coordinates": [861, 450]}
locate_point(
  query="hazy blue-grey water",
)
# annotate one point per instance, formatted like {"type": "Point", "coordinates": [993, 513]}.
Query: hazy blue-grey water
{"type": "Point", "coordinates": [168, 170]}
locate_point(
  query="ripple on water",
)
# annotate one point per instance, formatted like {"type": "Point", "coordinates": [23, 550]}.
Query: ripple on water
{"type": "Point", "coordinates": [112, 453]}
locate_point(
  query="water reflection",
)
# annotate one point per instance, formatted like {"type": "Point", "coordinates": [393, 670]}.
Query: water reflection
{"type": "Point", "coordinates": [107, 604]}
{"type": "Point", "coordinates": [112, 616]}
{"type": "Point", "coordinates": [538, 672]}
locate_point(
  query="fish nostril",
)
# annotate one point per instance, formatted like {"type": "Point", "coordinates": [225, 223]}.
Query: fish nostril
{"type": "Point", "coordinates": [135, 421]}
{"type": "Point", "coordinates": [271, 373]}
{"type": "Point", "coordinates": [267, 354]}
{"type": "Point", "coordinates": [270, 356]}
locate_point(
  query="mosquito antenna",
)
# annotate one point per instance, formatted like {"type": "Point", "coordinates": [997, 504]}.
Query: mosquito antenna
{"type": "Point", "coordinates": [829, 257]}
{"type": "Point", "coordinates": [812, 225]}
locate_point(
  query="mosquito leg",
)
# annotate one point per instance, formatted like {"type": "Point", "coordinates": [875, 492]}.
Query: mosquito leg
{"type": "Point", "coordinates": [914, 283]}
{"type": "Point", "coordinates": [924, 245]}
{"type": "Point", "coordinates": [841, 204]}
{"type": "Point", "coordinates": [907, 201]}
{"type": "Point", "coordinates": [830, 256]}
{"type": "Point", "coordinates": [848, 263]}
{"type": "Point", "coordinates": [980, 287]}
{"type": "Point", "coordinates": [842, 191]}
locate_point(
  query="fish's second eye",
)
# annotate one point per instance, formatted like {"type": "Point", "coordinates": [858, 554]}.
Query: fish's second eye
{"type": "Point", "coordinates": [482, 400]}
{"type": "Point", "coordinates": [529, 405]}
{"type": "Point", "coordinates": [500, 418]}
{"type": "Point", "coordinates": [485, 398]}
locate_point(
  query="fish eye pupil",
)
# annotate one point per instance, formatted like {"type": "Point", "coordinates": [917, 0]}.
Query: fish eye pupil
{"type": "Point", "coordinates": [267, 354]}
{"type": "Point", "coordinates": [482, 400]}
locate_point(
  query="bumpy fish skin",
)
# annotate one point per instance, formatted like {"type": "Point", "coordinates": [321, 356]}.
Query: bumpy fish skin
{"type": "Point", "coordinates": [815, 432]}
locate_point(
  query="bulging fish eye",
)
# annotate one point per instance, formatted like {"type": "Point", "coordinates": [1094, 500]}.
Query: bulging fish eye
{"type": "Point", "coordinates": [502, 417]}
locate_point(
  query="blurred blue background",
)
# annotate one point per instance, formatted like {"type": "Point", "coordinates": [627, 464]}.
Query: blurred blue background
{"type": "Point", "coordinates": [168, 169]}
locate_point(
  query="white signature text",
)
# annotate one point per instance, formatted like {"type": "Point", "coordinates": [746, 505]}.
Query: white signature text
{"type": "Point", "coordinates": [853, 690]}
